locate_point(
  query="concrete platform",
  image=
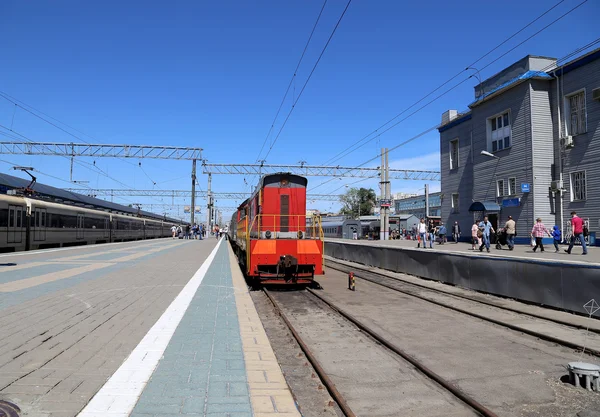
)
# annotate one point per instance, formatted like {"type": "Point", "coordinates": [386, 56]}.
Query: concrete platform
{"type": "Point", "coordinates": [561, 281]}
{"type": "Point", "coordinates": [519, 252]}
{"type": "Point", "coordinates": [160, 328]}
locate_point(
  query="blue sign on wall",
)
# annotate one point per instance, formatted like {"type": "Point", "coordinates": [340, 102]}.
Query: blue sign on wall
{"type": "Point", "coordinates": [524, 187]}
{"type": "Point", "coordinates": [511, 202]}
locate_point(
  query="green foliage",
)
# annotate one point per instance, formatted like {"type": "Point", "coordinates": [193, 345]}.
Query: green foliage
{"type": "Point", "coordinates": [358, 201]}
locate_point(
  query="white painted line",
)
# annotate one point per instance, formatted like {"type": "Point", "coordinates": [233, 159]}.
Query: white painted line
{"type": "Point", "coordinates": [100, 245]}
{"type": "Point", "coordinates": [120, 393]}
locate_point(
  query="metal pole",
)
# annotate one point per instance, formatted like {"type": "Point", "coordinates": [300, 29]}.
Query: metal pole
{"type": "Point", "coordinates": [193, 192]}
{"type": "Point", "coordinates": [382, 189]}
{"type": "Point", "coordinates": [426, 200]}
{"type": "Point", "coordinates": [209, 205]}
{"type": "Point", "coordinates": [387, 193]}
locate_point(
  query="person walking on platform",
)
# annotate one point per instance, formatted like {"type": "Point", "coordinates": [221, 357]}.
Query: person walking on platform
{"type": "Point", "coordinates": [511, 230]}
{"type": "Point", "coordinates": [422, 230]}
{"type": "Point", "coordinates": [174, 231]}
{"type": "Point", "coordinates": [200, 230]}
{"type": "Point", "coordinates": [187, 231]}
{"type": "Point", "coordinates": [431, 233]}
{"type": "Point", "coordinates": [486, 229]}
{"type": "Point", "coordinates": [538, 232]}
{"type": "Point", "coordinates": [456, 232]}
{"type": "Point", "coordinates": [475, 239]}
{"type": "Point", "coordinates": [557, 237]}
{"type": "Point", "coordinates": [577, 230]}
{"type": "Point", "coordinates": [217, 231]}
{"type": "Point", "coordinates": [442, 233]}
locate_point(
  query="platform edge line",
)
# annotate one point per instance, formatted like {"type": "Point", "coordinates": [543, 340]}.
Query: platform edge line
{"type": "Point", "coordinates": [134, 372]}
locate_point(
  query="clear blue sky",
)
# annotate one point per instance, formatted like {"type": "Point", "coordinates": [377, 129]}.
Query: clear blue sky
{"type": "Point", "coordinates": [212, 74]}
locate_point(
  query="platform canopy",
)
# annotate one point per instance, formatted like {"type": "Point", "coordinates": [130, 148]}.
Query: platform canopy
{"type": "Point", "coordinates": [489, 206]}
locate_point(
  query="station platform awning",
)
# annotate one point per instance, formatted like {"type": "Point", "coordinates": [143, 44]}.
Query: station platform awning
{"type": "Point", "coordinates": [488, 206]}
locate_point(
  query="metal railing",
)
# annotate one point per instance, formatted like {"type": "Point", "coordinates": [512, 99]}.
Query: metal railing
{"type": "Point", "coordinates": [281, 226]}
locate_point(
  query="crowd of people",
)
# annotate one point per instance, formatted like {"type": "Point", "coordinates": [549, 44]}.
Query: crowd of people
{"type": "Point", "coordinates": [196, 231]}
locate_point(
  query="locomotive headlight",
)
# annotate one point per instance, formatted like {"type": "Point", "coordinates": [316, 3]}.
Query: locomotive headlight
{"type": "Point", "coordinates": [268, 234]}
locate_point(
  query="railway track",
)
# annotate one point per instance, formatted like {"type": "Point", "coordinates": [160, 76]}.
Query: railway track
{"type": "Point", "coordinates": [467, 400]}
{"type": "Point", "coordinates": [432, 295]}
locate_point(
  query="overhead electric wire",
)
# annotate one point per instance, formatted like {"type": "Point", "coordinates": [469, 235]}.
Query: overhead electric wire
{"type": "Point", "coordinates": [81, 163]}
{"type": "Point", "coordinates": [547, 68]}
{"type": "Point", "coordinates": [352, 148]}
{"type": "Point", "coordinates": [292, 79]}
{"type": "Point", "coordinates": [21, 104]}
{"type": "Point", "coordinates": [308, 79]}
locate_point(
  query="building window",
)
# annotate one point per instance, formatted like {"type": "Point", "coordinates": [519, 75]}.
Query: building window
{"type": "Point", "coordinates": [578, 186]}
{"type": "Point", "coordinates": [499, 132]}
{"type": "Point", "coordinates": [454, 154]}
{"type": "Point", "coordinates": [500, 188]}
{"type": "Point", "coordinates": [575, 113]}
{"type": "Point", "coordinates": [512, 186]}
{"type": "Point", "coordinates": [455, 203]}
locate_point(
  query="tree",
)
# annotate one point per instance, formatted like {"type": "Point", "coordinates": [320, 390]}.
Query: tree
{"type": "Point", "coordinates": [358, 202]}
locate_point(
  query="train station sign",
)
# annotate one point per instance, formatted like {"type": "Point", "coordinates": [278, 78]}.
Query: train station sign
{"type": "Point", "coordinates": [525, 188]}
{"type": "Point", "coordinates": [385, 203]}
{"type": "Point", "coordinates": [511, 202]}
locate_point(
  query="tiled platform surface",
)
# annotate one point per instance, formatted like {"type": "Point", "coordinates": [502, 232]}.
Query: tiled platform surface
{"type": "Point", "coordinates": [219, 361]}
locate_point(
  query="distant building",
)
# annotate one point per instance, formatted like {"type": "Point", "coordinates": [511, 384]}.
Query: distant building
{"type": "Point", "coordinates": [415, 205]}
{"type": "Point", "coordinates": [537, 124]}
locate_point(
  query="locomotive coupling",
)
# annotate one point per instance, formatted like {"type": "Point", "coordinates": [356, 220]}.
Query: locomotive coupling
{"type": "Point", "coordinates": [351, 282]}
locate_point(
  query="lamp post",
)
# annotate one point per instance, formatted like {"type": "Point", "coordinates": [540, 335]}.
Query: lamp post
{"type": "Point", "coordinates": [478, 75]}
{"type": "Point", "coordinates": [490, 155]}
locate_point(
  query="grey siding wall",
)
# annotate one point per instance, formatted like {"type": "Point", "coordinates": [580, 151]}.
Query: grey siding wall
{"type": "Point", "coordinates": [515, 162]}
{"type": "Point", "coordinates": [585, 155]}
{"type": "Point", "coordinates": [459, 180]}
{"type": "Point", "coordinates": [542, 150]}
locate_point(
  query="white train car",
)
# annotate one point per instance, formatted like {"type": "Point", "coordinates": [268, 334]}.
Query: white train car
{"type": "Point", "coordinates": [28, 224]}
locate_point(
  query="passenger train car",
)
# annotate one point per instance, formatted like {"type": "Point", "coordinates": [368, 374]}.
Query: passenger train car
{"type": "Point", "coordinates": [342, 229]}
{"type": "Point", "coordinates": [269, 233]}
{"type": "Point", "coordinates": [27, 223]}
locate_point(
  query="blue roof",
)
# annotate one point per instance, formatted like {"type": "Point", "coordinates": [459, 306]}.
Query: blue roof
{"type": "Point", "coordinates": [525, 76]}
{"type": "Point", "coordinates": [491, 206]}
{"type": "Point", "coordinates": [455, 122]}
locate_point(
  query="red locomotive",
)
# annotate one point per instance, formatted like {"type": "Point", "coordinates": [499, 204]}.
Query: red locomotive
{"type": "Point", "coordinates": [269, 233]}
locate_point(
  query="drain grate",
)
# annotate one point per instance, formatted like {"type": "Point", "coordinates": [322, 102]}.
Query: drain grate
{"type": "Point", "coordinates": [9, 409]}
{"type": "Point", "coordinates": [586, 375]}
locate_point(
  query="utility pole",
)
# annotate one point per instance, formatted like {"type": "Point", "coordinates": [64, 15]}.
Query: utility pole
{"type": "Point", "coordinates": [388, 192]}
{"type": "Point", "coordinates": [426, 200]}
{"type": "Point", "coordinates": [384, 219]}
{"type": "Point", "coordinates": [209, 205]}
{"type": "Point", "coordinates": [193, 191]}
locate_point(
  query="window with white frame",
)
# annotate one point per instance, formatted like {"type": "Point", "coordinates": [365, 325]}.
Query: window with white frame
{"type": "Point", "coordinates": [500, 188]}
{"type": "Point", "coordinates": [575, 113]}
{"type": "Point", "coordinates": [578, 186]}
{"type": "Point", "coordinates": [512, 186]}
{"type": "Point", "coordinates": [455, 203]}
{"type": "Point", "coordinates": [499, 132]}
{"type": "Point", "coordinates": [454, 154]}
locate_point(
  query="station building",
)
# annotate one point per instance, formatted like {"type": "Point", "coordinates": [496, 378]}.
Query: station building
{"type": "Point", "coordinates": [537, 123]}
{"type": "Point", "coordinates": [415, 205]}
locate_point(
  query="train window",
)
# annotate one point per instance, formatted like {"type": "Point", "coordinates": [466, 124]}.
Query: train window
{"type": "Point", "coordinates": [3, 217]}
{"type": "Point", "coordinates": [11, 217]}
{"type": "Point", "coordinates": [19, 215]}
{"type": "Point", "coordinates": [284, 221]}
